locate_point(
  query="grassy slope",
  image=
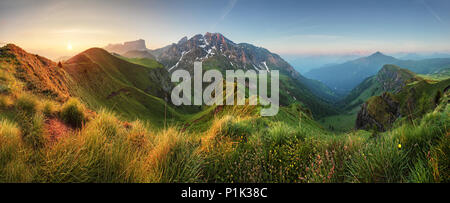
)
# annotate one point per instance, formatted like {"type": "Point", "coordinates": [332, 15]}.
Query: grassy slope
{"type": "Point", "coordinates": [97, 75]}
{"type": "Point", "coordinates": [150, 63]}
{"type": "Point", "coordinates": [419, 97]}
{"type": "Point", "coordinates": [291, 90]}
{"type": "Point", "coordinates": [443, 74]}
{"type": "Point", "coordinates": [321, 90]}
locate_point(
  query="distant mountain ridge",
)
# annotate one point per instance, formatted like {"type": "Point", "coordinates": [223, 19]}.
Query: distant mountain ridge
{"type": "Point", "coordinates": [138, 45]}
{"type": "Point", "coordinates": [342, 78]}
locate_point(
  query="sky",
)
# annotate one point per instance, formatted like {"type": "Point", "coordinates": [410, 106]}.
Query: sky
{"type": "Point", "coordinates": [64, 28]}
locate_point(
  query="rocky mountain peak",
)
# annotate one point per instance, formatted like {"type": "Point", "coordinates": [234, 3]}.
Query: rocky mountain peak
{"type": "Point", "coordinates": [127, 46]}
{"type": "Point", "coordinates": [377, 55]}
{"type": "Point", "coordinates": [183, 40]}
{"type": "Point", "coordinates": [393, 78]}
{"type": "Point", "coordinates": [216, 49]}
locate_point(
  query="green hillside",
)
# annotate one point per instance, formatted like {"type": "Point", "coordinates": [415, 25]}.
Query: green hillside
{"type": "Point", "coordinates": [390, 78]}
{"type": "Point", "coordinates": [134, 91]}
{"type": "Point", "coordinates": [147, 62]}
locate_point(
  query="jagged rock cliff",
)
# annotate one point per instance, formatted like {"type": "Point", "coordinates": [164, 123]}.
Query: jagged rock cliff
{"type": "Point", "coordinates": [378, 113]}
{"type": "Point", "coordinates": [127, 46]}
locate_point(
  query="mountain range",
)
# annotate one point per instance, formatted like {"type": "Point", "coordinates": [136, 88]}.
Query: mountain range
{"type": "Point", "coordinates": [342, 78]}
{"type": "Point", "coordinates": [218, 52]}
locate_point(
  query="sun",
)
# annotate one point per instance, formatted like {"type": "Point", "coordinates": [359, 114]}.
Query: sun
{"type": "Point", "coordinates": [69, 46]}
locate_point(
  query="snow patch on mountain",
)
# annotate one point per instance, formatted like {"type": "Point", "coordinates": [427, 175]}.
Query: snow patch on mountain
{"type": "Point", "coordinates": [181, 58]}
{"type": "Point", "coordinates": [265, 66]}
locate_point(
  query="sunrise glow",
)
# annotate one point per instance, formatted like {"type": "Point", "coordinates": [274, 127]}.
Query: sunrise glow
{"type": "Point", "coordinates": [69, 46]}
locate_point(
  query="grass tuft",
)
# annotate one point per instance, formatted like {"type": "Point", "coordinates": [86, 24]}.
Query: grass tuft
{"type": "Point", "coordinates": [72, 112]}
{"type": "Point", "coordinates": [27, 104]}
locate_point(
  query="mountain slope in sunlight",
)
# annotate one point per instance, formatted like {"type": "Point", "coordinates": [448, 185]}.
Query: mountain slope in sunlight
{"type": "Point", "coordinates": [38, 74]}
{"type": "Point", "coordinates": [101, 79]}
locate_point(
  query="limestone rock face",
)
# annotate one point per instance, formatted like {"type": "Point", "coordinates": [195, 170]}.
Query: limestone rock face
{"type": "Point", "coordinates": [127, 46]}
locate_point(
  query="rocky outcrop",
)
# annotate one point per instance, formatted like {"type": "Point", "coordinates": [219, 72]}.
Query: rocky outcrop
{"type": "Point", "coordinates": [393, 78]}
{"type": "Point", "coordinates": [127, 46]}
{"type": "Point", "coordinates": [378, 113]}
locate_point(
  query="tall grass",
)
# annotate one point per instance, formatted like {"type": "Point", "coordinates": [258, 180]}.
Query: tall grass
{"type": "Point", "coordinates": [33, 130]}
{"type": "Point", "coordinates": [50, 108]}
{"type": "Point", "coordinates": [236, 148]}
{"type": "Point", "coordinates": [13, 167]}
{"type": "Point", "coordinates": [72, 112]}
{"type": "Point", "coordinates": [379, 161]}
{"type": "Point", "coordinates": [27, 104]}
{"type": "Point", "coordinates": [108, 150]}
{"type": "Point", "coordinates": [174, 158]}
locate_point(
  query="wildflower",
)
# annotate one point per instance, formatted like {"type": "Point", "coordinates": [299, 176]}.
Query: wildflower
{"type": "Point", "coordinates": [399, 146]}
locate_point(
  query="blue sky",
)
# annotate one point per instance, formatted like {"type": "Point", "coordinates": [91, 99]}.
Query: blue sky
{"type": "Point", "coordinates": [285, 27]}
